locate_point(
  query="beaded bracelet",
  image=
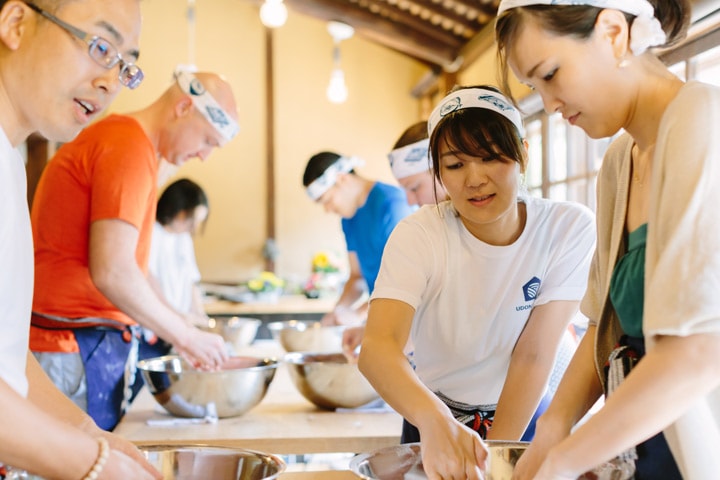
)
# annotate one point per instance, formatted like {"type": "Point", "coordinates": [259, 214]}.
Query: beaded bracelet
{"type": "Point", "coordinates": [102, 457]}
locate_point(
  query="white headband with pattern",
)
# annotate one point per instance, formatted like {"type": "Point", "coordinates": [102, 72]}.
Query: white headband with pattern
{"type": "Point", "coordinates": [410, 159]}
{"type": "Point", "coordinates": [475, 98]}
{"type": "Point", "coordinates": [646, 30]}
{"type": "Point", "coordinates": [324, 182]}
{"type": "Point", "coordinates": [207, 105]}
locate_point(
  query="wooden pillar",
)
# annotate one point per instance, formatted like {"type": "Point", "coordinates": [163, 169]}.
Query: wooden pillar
{"type": "Point", "coordinates": [270, 250]}
{"type": "Point", "coordinates": [37, 157]}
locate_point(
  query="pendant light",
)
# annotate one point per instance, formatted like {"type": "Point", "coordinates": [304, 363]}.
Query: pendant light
{"type": "Point", "coordinates": [337, 89]}
{"type": "Point", "coordinates": [273, 13]}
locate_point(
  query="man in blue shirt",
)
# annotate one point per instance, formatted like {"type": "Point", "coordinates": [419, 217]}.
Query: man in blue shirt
{"type": "Point", "coordinates": [369, 210]}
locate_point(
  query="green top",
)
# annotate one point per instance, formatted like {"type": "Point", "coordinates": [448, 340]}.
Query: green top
{"type": "Point", "coordinates": [628, 283]}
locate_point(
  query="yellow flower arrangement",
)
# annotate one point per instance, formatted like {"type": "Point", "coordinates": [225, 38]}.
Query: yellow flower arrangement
{"type": "Point", "coordinates": [266, 282]}
{"type": "Point", "coordinates": [325, 262]}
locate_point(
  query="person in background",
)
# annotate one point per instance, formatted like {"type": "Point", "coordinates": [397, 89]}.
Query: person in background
{"type": "Point", "coordinates": [42, 431]}
{"type": "Point", "coordinates": [652, 299]}
{"type": "Point", "coordinates": [182, 209]}
{"type": "Point", "coordinates": [369, 210]}
{"type": "Point", "coordinates": [484, 286]}
{"type": "Point", "coordinates": [410, 164]}
{"type": "Point", "coordinates": [91, 289]}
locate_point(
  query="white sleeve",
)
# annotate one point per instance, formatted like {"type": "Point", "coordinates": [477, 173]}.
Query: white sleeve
{"type": "Point", "coordinates": [571, 251]}
{"type": "Point", "coordinates": [406, 264]}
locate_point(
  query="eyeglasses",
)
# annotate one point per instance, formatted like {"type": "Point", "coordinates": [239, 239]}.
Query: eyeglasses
{"type": "Point", "coordinates": [100, 50]}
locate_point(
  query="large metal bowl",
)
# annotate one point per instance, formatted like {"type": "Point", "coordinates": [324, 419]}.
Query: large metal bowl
{"type": "Point", "coordinates": [199, 462]}
{"type": "Point", "coordinates": [307, 336]}
{"type": "Point", "coordinates": [183, 391]}
{"type": "Point", "coordinates": [328, 380]}
{"type": "Point", "coordinates": [238, 332]}
{"type": "Point", "coordinates": [202, 462]}
{"type": "Point", "coordinates": [405, 462]}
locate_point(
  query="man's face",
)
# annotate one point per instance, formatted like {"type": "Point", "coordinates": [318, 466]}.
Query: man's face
{"type": "Point", "coordinates": [65, 87]}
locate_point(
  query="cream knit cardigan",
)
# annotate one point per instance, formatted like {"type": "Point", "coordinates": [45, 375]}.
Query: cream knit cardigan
{"type": "Point", "coordinates": [682, 264]}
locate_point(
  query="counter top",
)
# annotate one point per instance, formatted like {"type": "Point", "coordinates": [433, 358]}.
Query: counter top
{"type": "Point", "coordinates": [286, 304]}
{"type": "Point", "coordinates": [284, 422]}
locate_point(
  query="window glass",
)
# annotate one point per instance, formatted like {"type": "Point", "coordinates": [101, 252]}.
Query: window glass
{"type": "Point", "coordinates": [533, 174]}
{"type": "Point", "coordinates": [558, 148]}
{"type": "Point", "coordinates": [707, 66]}
{"type": "Point", "coordinates": [679, 69]}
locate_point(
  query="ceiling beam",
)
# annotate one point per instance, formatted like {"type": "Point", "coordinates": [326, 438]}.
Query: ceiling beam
{"type": "Point", "coordinates": [383, 31]}
{"type": "Point", "coordinates": [398, 15]}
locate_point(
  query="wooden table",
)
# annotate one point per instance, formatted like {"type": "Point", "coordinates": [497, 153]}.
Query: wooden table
{"type": "Point", "coordinates": [283, 423]}
{"type": "Point", "coordinates": [288, 307]}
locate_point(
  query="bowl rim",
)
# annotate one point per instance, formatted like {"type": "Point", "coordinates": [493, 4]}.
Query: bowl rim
{"type": "Point", "coordinates": [268, 363]}
{"type": "Point", "coordinates": [228, 318]}
{"type": "Point", "coordinates": [298, 325]}
{"type": "Point", "coordinates": [289, 358]}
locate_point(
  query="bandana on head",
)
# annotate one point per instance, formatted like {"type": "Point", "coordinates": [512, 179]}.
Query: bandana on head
{"type": "Point", "coordinates": [475, 98]}
{"type": "Point", "coordinates": [207, 105]}
{"type": "Point", "coordinates": [410, 159]}
{"type": "Point", "coordinates": [645, 31]}
{"type": "Point", "coordinates": [324, 182]}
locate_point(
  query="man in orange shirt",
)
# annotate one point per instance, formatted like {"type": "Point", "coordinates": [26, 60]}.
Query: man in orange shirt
{"type": "Point", "coordinates": [92, 220]}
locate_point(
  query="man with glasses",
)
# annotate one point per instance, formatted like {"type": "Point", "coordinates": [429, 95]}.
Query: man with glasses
{"type": "Point", "coordinates": [50, 85]}
{"type": "Point", "coordinates": [92, 219]}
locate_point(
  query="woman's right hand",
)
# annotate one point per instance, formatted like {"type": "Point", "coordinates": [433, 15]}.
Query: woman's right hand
{"type": "Point", "coordinates": [453, 452]}
{"type": "Point", "coordinates": [529, 463]}
{"type": "Point", "coordinates": [121, 467]}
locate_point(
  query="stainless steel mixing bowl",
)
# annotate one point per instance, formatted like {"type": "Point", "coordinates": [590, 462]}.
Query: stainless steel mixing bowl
{"type": "Point", "coordinates": [238, 386]}
{"type": "Point", "coordinates": [328, 380]}
{"type": "Point", "coordinates": [404, 462]}
{"type": "Point", "coordinates": [307, 336]}
{"type": "Point", "coordinates": [200, 462]}
{"type": "Point", "coordinates": [238, 332]}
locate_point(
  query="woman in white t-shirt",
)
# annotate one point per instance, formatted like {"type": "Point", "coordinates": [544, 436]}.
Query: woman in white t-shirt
{"type": "Point", "coordinates": [484, 285]}
{"type": "Point", "coordinates": [182, 208]}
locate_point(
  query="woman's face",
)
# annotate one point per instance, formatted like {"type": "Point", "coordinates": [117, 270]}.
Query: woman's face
{"type": "Point", "coordinates": [579, 79]}
{"type": "Point", "coordinates": [184, 223]}
{"type": "Point", "coordinates": [419, 189]}
{"type": "Point", "coordinates": [483, 190]}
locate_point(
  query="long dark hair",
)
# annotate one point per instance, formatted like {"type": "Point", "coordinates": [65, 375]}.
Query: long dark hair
{"type": "Point", "coordinates": [183, 195]}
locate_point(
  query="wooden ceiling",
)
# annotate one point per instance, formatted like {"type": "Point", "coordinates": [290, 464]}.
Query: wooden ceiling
{"type": "Point", "coordinates": [434, 32]}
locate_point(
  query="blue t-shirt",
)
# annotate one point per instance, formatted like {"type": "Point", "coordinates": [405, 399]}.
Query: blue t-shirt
{"type": "Point", "coordinates": [368, 230]}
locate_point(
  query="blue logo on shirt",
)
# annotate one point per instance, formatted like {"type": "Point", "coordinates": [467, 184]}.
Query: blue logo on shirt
{"type": "Point", "coordinates": [530, 289]}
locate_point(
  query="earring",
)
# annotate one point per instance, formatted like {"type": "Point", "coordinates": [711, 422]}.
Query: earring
{"type": "Point", "coordinates": [623, 62]}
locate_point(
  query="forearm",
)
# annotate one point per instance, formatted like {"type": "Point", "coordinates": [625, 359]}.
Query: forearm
{"type": "Point", "coordinates": [524, 387]}
{"type": "Point", "coordinates": [131, 292]}
{"type": "Point", "coordinates": [62, 451]}
{"type": "Point", "coordinates": [579, 389]}
{"type": "Point", "coordinates": [390, 373]}
{"type": "Point", "coordinates": [43, 393]}
{"type": "Point", "coordinates": [197, 305]}
{"type": "Point", "coordinates": [353, 290]}
{"type": "Point", "coordinates": [657, 392]}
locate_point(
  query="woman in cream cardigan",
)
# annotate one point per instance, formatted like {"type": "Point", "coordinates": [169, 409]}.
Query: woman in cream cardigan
{"type": "Point", "coordinates": [652, 298]}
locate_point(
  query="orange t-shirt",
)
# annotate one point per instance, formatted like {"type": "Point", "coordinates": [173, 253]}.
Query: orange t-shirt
{"type": "Point", "coordinates": [108, 172]}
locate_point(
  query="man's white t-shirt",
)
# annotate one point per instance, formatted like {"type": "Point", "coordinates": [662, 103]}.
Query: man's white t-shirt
{"type": "Point", "coordinates": [472, 299]}
{"type": "Point", "coordinates": [172, 262]}
{"type": "Point", "coordinates": [16, 262]}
